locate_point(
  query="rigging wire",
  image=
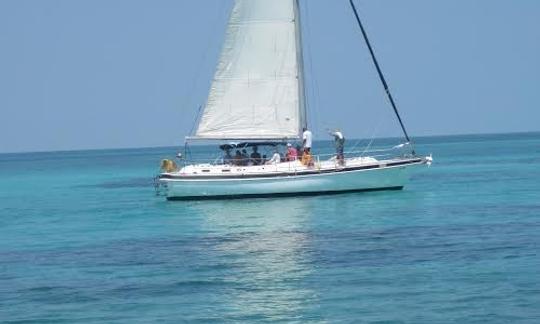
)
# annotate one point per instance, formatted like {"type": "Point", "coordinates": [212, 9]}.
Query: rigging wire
{"type": "Point", "coordinates": [197, 116]}
{"type": "Point", "coordinates": [374, 131]}
{"type": "Point", "coordinates": [315, 99]}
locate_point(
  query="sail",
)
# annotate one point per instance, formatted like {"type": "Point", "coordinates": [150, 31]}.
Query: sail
{"type": "Point", "coordinates": [257, 91]}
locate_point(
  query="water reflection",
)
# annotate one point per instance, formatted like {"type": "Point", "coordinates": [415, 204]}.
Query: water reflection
{"type": "Point", "coordinates": [266, 245]}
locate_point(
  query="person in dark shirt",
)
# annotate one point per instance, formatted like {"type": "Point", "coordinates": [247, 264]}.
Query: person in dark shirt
{"type": "Point", "coordinates": [255, 156]}
{"type": "Point", "coordinates": [237, 158]}
{"type": "Point", "coordinates": [227, 158]}
{"type": "Point", "coordinates": [245, 157]}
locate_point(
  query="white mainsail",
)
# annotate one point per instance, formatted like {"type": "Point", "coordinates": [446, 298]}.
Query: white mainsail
{"type": "Point", "coordinates": [257, 91]}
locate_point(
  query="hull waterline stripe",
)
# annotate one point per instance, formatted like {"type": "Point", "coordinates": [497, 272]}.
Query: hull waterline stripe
{"type": "Point", "coordinates": [279, 195]}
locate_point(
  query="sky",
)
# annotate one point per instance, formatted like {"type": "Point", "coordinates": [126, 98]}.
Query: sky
{"type": "Point", "coordinates": [89, 74]}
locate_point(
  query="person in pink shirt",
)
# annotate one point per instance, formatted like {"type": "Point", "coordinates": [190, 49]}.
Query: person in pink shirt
{"type": "Point", "coordinates": [292, 153]}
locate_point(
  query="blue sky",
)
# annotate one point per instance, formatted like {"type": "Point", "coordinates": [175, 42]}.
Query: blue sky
{"type": "Point", "coordinates": [130, 73]}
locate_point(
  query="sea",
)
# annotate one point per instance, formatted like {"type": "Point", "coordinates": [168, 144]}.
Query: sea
{"type": "Point", "coordinates": [84, 238]}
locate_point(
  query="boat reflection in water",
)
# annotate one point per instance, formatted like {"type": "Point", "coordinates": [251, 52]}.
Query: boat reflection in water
{"type": "Point", "coordinates": [263, 248]}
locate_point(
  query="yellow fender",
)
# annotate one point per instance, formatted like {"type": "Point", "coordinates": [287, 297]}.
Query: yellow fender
{"type": "Point", "coordinates": [168, 165]}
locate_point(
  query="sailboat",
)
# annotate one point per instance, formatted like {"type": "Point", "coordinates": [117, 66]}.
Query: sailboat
{"type": "Point", "coordinates": [257, 101]}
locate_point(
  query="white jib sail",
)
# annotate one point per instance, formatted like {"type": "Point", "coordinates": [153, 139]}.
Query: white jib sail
{"type": "Point", "coordinates": [257, 90]}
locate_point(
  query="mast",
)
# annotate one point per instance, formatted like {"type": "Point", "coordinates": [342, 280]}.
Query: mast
{"type": "Point", "coordinates": [381, 76]}
{"type": "Point", "coordinates": [300, 61]}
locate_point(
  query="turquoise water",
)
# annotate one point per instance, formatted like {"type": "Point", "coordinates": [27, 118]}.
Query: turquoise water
{"type": "Point", "coordinates": [83, 238]}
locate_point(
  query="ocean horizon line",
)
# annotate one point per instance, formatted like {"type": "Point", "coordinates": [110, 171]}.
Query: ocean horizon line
{"type": "Point", "coordinates": [127, 148]}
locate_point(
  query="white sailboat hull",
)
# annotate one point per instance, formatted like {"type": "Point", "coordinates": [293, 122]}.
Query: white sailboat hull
{"type": "Point", "coordinates": [341, 180]}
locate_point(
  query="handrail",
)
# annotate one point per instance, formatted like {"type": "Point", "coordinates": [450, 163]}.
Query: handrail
{"type": "Point", "coordinates": [318, 157]}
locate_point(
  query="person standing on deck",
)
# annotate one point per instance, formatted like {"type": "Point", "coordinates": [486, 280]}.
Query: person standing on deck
{"type": "Point", "coordinates": [306, 158]}
{"type": "Point", "coordinates": [339, 141]}
{"type": "Point", "coordinates": [307, 137]}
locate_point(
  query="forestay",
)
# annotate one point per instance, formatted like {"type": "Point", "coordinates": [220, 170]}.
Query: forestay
{"type": "Point", "coordinates": [257, 90]}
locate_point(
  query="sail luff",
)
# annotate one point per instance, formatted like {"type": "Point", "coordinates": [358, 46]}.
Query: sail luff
{"type": "Point", "coordinates": [300, 60]}
{"type": "Point", "coordinates": [257, 90]}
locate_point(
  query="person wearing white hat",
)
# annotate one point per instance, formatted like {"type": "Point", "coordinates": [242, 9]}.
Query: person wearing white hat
{"type": "Point", "coordinates": [339, 141]}
{"type": "Point", "coordinates": [292, 153]}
